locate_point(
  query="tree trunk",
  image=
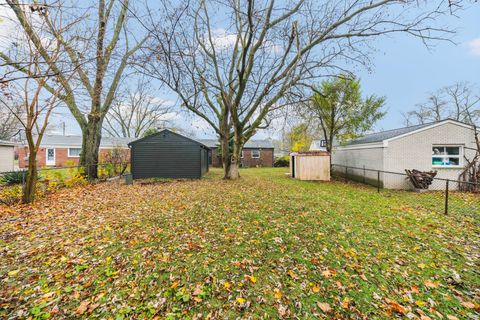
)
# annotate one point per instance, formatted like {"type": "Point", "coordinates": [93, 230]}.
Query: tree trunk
{"type": "Point", "coordinates": [236, 158]}
{"type": "Point", "coordinates": [30, 187]}
{"type": "Point", "coordinates": [226, 160]}
{"type": "Point", "coordinates": [92, 135]}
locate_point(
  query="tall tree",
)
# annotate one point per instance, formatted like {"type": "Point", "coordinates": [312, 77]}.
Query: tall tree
{"type": "Point", "coordinates": [98, 50]}
{"type": "Point", "coordinates": [460, 101]}
{"type": "Point", "coordinates": [233, 62]}
{"type": "Point", "coordinates": [342, 112]}
{"type": "Point", "coordinates": [299, 138]}
{"type": "Point", "coordinates": [136, 111]}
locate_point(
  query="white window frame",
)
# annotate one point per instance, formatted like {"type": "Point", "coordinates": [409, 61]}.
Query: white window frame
{"type": "Point", "coordinates": [70, 155]}
{"type": "Point", "coordinates": [459, 156]}
{"type": "Point", "coordinates": [241, 155]}
{"type": "Point", "coordinates": [253, 157]}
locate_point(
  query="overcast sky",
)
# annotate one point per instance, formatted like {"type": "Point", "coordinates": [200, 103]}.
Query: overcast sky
{"type": "Point", "coordinates": [404, 71]}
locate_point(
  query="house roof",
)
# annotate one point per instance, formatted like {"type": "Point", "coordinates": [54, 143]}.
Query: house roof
{"type": "Point", "coordinates": [166, 130]}
{"type": "Point", "coordinates": [389, 134]}
{"type": "Point", "coordinates": [76, 141]}
{"type": "Point", "coordinates": [251, 144]}
{"type": "Point", "coordinates": [6, 143]}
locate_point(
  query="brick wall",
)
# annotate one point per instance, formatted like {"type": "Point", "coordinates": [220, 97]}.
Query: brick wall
{"type": "Point", "coordinates": [266, 158]}
{"type": "Point", "coordinates": [61, 157]}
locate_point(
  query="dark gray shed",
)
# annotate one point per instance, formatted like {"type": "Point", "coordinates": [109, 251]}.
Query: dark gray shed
{"type": "Point", "coordinates": [167, 154]}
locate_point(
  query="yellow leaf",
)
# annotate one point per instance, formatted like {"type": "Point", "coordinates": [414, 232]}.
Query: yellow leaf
{"type": "Point", "coordinates": [420, 303]}
{"type": "Point", "coordinates": [240, 300]}
{"type": "Point", "coordinates": [316, 289]}
{"type": "Point", "coordinates": [253, 279]}
{"type": "Point", "coordinates": [174, 285]}
{"type": "Point", "coordinates": [13, 273]}
{"type": "Point", "coordinates": [278, 293]}
{"type": "Point", "coordinates": [421, 265]}
{"type": "Point", "coordinates": [227, 285]}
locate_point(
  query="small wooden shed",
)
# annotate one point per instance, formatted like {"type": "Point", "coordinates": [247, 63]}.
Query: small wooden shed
{"type": "Point", "coordinates": [310, 165]}
{"type": "Point", "coordinates": [7, 156]}
{"type": "Point", "coordinates": [167, 154]}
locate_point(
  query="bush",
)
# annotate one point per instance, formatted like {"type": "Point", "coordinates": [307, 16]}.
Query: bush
{"type": "Point", "coordinates": [14, 177]}
{"type": "Point", "coordinates": [282, 162]}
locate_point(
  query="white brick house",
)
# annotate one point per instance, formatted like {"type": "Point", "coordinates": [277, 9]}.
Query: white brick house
{"type": "Point", "coordinates": [439, 146]}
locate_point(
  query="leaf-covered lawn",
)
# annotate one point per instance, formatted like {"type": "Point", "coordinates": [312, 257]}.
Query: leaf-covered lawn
{"type": "Point", "coordinates": [262, 247]}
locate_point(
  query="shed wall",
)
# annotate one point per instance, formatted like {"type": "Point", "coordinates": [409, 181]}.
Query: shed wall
{"type": "Point", "coordinates": [7, 158]}
{"type": "Point", "coordinates": [312, 167]}
{"type": "Point", "coordinates": [168, 155]}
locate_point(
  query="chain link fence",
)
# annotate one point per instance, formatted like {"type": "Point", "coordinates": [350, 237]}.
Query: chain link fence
{"type": "Point", "coordinates": [50, 179]}
{"type": "Point", "coordinates": [444, 196]}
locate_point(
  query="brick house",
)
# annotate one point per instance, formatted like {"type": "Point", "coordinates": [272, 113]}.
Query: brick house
{"type": "Point", "coordinates": [61, 151]}
{"type": "Point", "coordinates": [255, 153]}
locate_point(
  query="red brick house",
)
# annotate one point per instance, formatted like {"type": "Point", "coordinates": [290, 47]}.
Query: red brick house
{"type": "Point", "coordinates": [255, 153]}
{"type": "Point", "coordinates": [61, 151]}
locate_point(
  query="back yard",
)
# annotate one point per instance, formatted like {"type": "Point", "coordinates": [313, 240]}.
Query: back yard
{"type": "Point", "coordinates": [265, 246]}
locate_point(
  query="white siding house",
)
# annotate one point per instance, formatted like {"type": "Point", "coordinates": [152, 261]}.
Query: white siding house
{"type": "Point", "coordinates": [7, 156]}
{"type": "Point", "coordinates": [439, 146]}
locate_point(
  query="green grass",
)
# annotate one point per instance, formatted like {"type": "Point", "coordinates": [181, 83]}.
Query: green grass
{"type": "Point", "coordinates": [265, 246]}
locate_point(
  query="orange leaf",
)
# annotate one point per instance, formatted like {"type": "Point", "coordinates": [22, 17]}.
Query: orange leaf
{"type": "Point", "coordinates": [82, 307]}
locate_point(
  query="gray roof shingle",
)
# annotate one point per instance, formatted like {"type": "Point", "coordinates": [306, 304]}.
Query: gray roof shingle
{"type": "Point", "coordinates": [388, 134]}
{"type": "Point", "coordinates": [6, 143]}
{"type": "Point", "coordinates": [76, 141]}
{"type": "Point", "coordinates": [251, 144]}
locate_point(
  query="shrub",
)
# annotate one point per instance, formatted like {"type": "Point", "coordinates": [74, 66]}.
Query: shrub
{"type": "Point", "coordinates": [14, 177]}
{"type": "Point", "coordinates": [282, 162]}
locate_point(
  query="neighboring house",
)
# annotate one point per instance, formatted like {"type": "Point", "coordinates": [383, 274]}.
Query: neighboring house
{"type": "Point", "coordinates": [60, 151]}
{"type": "Point", "coordinates": [439, 146]}
{"type": "Point", "coordinates": [7, 156]}
{"type": "Point", "coordinates": [255, 153]}
{"type": "Point", "coordinates": [167, 154]}
{"type": "Point", "coordinates": [318, 145]}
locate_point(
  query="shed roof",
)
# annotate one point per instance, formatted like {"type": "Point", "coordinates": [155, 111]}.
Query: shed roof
{"type": "Point", "coordinates": [169, 131]}
{"type": "Point", "coordinates": [389, 134]}
{"type": "Point", "coordinates": [6, 143]}
{"type": "Point", "coordinates": [251, 144]}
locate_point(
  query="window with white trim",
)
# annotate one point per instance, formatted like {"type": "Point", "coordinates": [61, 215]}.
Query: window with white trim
{"type": "Point", "coordinates": [74, 152]}
{"type": "Point", "coordinates": [241, 154]}
{"type": "Point", "coordinates": [447, 156]}
{"type": "Point", "coordinates": [255, 154]}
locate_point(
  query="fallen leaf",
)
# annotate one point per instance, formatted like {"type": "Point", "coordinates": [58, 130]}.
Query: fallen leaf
{"type": "Point", "coordinates": [278, 293]}
{"type": "Point", "coordinates": [431, 284]}
{"type": "Point", "coordinates": [240, 300]}
{"type": "Point", "coordinates": [82, 307]}
{"type": "Point", "coordinates": [316, 289]}
{"type": "Point", "coordinates": [13, 273]}
{"type": "Point", "coordinates": [325, 307]}
{"type": "Point", "coordinates": [468, 304]}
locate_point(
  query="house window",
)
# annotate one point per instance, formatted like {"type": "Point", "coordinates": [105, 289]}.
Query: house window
{"type": "Point", "coordinates": [323, 143]}
{"type": "Point", "coordinates": [74, 152]}
{"type": "Point", "coordinates": [255, 154]}
{"type": "Point", "coordinates": [446, 156]}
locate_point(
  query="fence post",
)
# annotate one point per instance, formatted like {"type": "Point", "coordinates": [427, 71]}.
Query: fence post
{"type": "Point", "coordinates": [363, 174]}
{"type": "Point", "coordinates": [446, 196]}
{"type": "Point", "coordinates": [378, 181]}
{"type": "Point", "coordinates": [346, 174]}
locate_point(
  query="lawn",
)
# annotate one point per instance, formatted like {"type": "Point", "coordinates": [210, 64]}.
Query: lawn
{"type": "Point", "coordinates": [265, 246]}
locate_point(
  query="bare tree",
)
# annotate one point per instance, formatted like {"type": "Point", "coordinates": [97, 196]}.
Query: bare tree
{"type": "Point", "coordinates": [234, 62]}
{"type": "Point", "coordinates": [460, 101]}
{"type": "Point", "coordinates": [29, 100]}
{"type": "Point", "coordinates": [9, 124]}
{"type": "Point", "coordinates": [98, 50]}
{"type": "Point", "coordinates": [137, 110]}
